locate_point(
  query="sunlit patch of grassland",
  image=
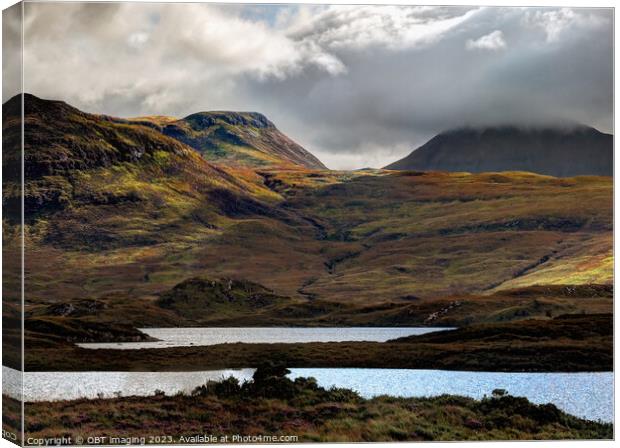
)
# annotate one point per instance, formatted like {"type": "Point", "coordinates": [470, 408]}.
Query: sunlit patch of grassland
{"type": "Point", "coordinates": [590, 260]}
{"type": "Point", "coordinates": [237, 155]}
{"type": "Point", "coordinates": [438, 233]}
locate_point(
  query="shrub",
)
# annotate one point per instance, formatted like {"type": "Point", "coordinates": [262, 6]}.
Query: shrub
{"type": "Point", "coordinates": [497, 393]}
{"type": "Point", "coordinates": [343, 395]}
{"type": "Point", "coordinates": [225, 388]}
{"type": "Point", "coordinates": [270, 381]}
{"type": "Point", "coordinates": [309, 383]}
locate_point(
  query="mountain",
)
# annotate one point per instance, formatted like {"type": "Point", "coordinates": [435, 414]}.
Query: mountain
{"type": "Point", "coordinates": [560, 152]}
{"type": "Point", "coordinates": [107, 183]}
{"type": "Point", "coordinates": [60, 138]}
{"type": "Point", "coordinates": [238, 138]}
{"type": "Point", "coordinates": [118, 215]}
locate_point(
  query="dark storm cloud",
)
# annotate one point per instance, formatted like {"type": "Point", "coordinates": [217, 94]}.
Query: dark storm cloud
{"type": "Point", "coordinates": [359, 86]}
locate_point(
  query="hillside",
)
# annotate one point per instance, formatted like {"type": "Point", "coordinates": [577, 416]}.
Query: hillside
{"type": "Point", "coordinates": [94, 172]}
{"type": "Point", "coordinates": [124, 213]}
{"type": "Point", "coordinates": [103, 199]}
{"type": "Point", "coordinates": [430, 234]}
{"type": "Point", "coordinates": [62, 143]}
{"type": "Point", "coordinates": [560, 152]}
{"type": "Point", "coordinates": [238, 138]}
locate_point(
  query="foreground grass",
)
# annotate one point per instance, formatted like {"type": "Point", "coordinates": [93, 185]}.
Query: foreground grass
{"type": "Point", "coordinates": [272, 404]}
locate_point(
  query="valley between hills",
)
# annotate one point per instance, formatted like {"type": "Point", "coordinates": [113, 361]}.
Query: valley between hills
{"type": "Point", "coordinates": [219, 219]}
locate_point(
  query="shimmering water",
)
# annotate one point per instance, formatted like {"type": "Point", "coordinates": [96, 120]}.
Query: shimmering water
{"type": "Point", "coordinates": [584, 394]}
{"type": "Point", "coordinates": [588, 395]}
{"type": "Point", "coordinates": [184, 337]}
{"type": "Point", "coordinates": [51, 386]}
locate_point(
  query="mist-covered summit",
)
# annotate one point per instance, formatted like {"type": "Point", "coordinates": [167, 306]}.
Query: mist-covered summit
{"type": "Point", "coordinates": [561, 151]}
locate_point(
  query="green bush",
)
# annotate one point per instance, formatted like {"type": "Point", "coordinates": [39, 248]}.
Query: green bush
{"type": "Point", "coordinates": [226, 388]}
{"type": "Point", "coordinates": [343, 395]}
{"type": "Point", "coordinates": [270, 381]}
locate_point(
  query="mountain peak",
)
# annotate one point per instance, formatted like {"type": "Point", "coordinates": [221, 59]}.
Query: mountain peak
{"type": "Point", "coordinates": [201, 120]}
{"type": "Point", "coordinates": [35, 105]}
{"type": "Point", "coordinates": [561, 151]}
{"type": "Point", "coordinates": [237, 138]}
{"type": "Point", "coordinates": [240, 138]}
{"type": "Point", "coordinates": [567, 128]}
{"type": "Point", "coordinates": [60, 139]}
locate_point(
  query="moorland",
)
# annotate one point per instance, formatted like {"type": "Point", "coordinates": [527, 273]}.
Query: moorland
{"type": "Point", "coordinates": [219, 219]}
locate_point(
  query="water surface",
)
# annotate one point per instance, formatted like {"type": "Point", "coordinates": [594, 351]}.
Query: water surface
{"type": "Point", "coordinates": [587, 395]}
{"type": "Point", "coordinates": [184, 337]}
{"type": "Point", "coordinates": [584, 394]}
{"type": "Point", "coordinates": [53, 386]}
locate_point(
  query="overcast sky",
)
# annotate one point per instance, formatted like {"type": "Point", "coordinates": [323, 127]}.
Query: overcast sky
{"type": "Point", "coordinates": [356, 85]}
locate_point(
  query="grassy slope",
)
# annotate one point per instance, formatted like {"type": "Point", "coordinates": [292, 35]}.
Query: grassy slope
{"type": "Point", "coordinates": [107, 203]}
{"type": "Point", "coordinates": [203, 306]}
{"type": "Point", "coordinates": [348, 241]}
{"type": "Point", "coordinates": [439, 233]}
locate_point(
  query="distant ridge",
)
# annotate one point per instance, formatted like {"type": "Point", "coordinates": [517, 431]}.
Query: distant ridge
{"type": "Point", "coordinates": [560, 152]}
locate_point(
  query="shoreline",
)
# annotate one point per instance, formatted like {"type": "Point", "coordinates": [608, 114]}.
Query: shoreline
{"type": "Point", "coordinates": [308, 411]}
{"type": "Point", "coordinates": [537, 358]}
{"type": "Point", "coordinates": [44, 387]}
{"type": "Point", "coordinates": [575, 343]}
